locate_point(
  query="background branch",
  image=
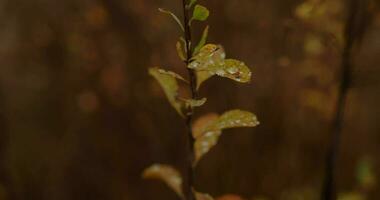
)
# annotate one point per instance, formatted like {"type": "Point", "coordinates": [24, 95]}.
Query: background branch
{"type": "Point", "coordinates": [357, 22]}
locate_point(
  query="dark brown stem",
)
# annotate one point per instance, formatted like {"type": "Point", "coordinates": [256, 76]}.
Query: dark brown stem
{"type": "Point", "coordinates": [353, 32]}
{"type": "Point", "coordinates": [188, 186]}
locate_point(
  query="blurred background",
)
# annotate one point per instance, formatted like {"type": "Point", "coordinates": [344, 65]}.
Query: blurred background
{"type": "Point", "coordinates": [80, 118]}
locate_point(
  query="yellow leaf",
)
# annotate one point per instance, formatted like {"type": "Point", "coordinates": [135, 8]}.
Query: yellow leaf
{"type": "Point", "coordinates": [234, 119]}
{"type": "Point", "coordinates": [209, 55]}
{"type": "Point", "coordinates": [195, 102]}
{"type": "Point", "coordinates": [233, 69]}
{"type": "Point", "coordinates": [200, 125]}
{"type": "Point", "coordinates": [211, 61]}
{"type": "Point", "coordinates": [167, 174]}
{"type": "Point", "coordinates": [202, 42]}
{"type": "Point", "coordinates": [180, 51]}
{"type": "Point", "coordinates": [207, 129]}
{"type": "Point", "coordinates": [169, 84]}
{"type": "Point", "coordinates": [173, 74]}
{"type": "Point", "coordinates": [202, 76]}
{"type": "Point", "coordinates": [204, 143]}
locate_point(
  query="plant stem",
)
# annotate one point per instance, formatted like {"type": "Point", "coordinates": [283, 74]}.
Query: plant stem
{"type": "Point", "coordinates": [354, 30]}
{"type": "Point", "coordinates": [188, 186]}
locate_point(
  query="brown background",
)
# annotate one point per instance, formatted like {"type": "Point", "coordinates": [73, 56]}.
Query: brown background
{"type": "Point", "coordinates": [80, 118]}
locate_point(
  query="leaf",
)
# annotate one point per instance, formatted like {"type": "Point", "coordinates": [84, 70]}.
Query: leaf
{"type": "Point", "coordinates": [203, 40]}
{"type": "Point", "coordinates": [204, 143]}
{"type": "Point", "coordinates": [202, 123]}
{"type": "Point", "coordinates": [202, 196]}
{"type": "Point", "coordinates": [202, 76]}
{"type": "Point", "coordinates": [167, 174]}
{"type": "Point", "coordinates": [211, 61]}
{"type": "Point", "coordinates": [180, 51]}
{"type": "Point", "coordinates": [194, 102]}
{"type": "Point", "coordinates": [209, 55]}
{"type": "Point", "coordinates": [200, 13]}
{"type": "Point", "coordinates": [173, 74]}
{"type": "Point", "coordinates": [235, 118]}
{"type": "Point", "coordinates": [173, 16]}
{"type": "Point", "coordinates": [233, 69]}
{"type": "Point", "coordinates": [207, 129]}
{"type": "Point", "coordinates": [169, 84]}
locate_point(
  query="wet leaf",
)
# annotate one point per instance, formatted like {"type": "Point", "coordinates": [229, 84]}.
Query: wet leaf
{"type": "Point", "coordinates": [200, 125]}
{"type": "Point", "coordinates": [200, 13]}
{"type": "Point", "coordinates": [169, 84]}
{"type": "Point", "coordinates": [208, 56]}
{"type": "Point", "coordinates": [180, 51]}
{"type": "Point", "coordinates": [204, 143]}
{"type": "Point", "coordinates": [233, 69]}
{"type": "Point", "coordinates": [208, 129]}
{"type": "Point", "coordinates": [236, 118]}
{"type": "Point", "coordinates": [202, 41]}
{"type": "Point", "coordinates": [195, 102]}
{"type": "Point", "coordinates": [167, 174]}
{"type": "Point", "coordinates": [211, 61]}
{"type": "Point", "coordinates": [173, 16]}
{"type": "Point", "coordinates": [202, 196]}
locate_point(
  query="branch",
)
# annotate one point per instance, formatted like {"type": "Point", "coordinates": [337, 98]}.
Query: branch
{"type": "Point", "coordinates": [188, 186]}
{"type": "Point", "coordinates": [354, 30]}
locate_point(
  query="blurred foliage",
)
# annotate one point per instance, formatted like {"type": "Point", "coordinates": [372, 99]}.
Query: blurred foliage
{"type": "Point", "coordinates": [81, 119]}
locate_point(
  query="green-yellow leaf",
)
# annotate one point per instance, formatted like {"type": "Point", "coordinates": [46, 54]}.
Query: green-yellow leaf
{"type": "Point", "coordinates": [208, 56]}
{"type": "Point", "coordinates": [202, 76]}
{"type": "Point", "coordinates": [207, 129]}
{"type": "Point", "coordinates": [195, 102]}
{"type": "Point", "coordinates": [173, 16]}
{"type": "Point", "coordinates": [202, 41]}
{"type": "Point", "coordinates": [167, 174]}
{"type": "Point", "coordinates": [200, 125]}
{"type": "Point", "coordinates": [173, 74]}
{"type": "Point", "coordinates": [180, 51]}
{"type": "Point", "coordinates": [204, 143]}
{"type": "Point", "coordinates": [233, 69]}
{"type": "Point", "coordinates": [200, 13]}
{"type": "Point", "coordinates": [234, 119]}
{"type": "Point", "coordinates": [169, 84]}
{"type": "Point", "coordinates": [210, 61]}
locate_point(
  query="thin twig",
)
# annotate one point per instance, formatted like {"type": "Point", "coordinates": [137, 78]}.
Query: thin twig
{"type": "Point", "coordinates": [188, 186]}
{"type": "Point", "coordinates": [353, 33]}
